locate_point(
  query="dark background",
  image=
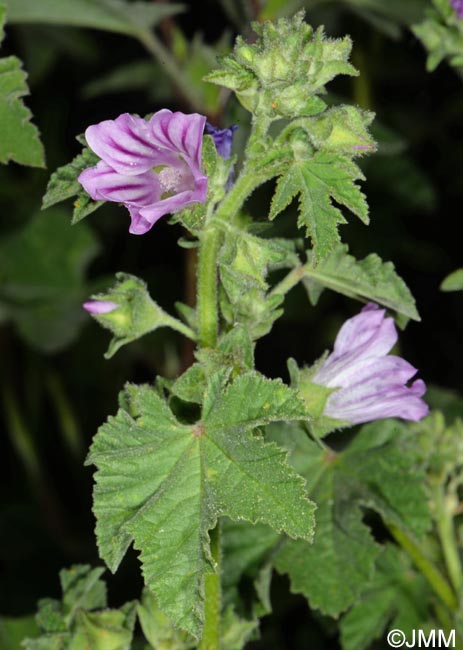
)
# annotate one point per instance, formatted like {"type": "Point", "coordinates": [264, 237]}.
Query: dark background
{"type": "Point", "coordinates": [414, 188]}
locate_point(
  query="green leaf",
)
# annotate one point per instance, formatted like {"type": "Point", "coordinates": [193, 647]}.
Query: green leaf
{"type": "Point", "coordinates": [246, 547]}
{"type": "Point", "coordinates": [157, 628]}
{"type": "Point", "coordinates": [20, 140]}
{"type": "Point", "coordinates": [63, 185]}
{"type": "Point", "coordinates": [442, 35]}
{"type": "Point", "coordinates": [235, 350]}
{"type": "Point", "coordinates": [14, 630]}
{"type": "Point", "coordinates": [395, 599]}
{"type": "Point", "coordinates": [162, 484]}
{"type": "Point", "coordinates": [381, 470]}
{"type": "Point", "coordinates": [331, 572]}
{"type": "Point", "coordinates": [43, 294]}
{"type": "Point", "coordinates": [111, 629]}
{"type": "Point", "coordinates": [319, 180]}
{"type": "Point", "coordinates": [112, 15]}
{"type": "Point", "coordinates": [244, 263]}
{"type": "Point", "coordinates": [367, 279]}
{"type": "Point", "coordinates": [70, 624]}
{"type": "Point", "coordinates": [453, 282]}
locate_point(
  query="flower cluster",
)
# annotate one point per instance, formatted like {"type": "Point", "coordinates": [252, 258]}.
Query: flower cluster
{"type": "Point", "coordinates": [370, 383]}
{"type": "Point", "coordinates": [153, 166]}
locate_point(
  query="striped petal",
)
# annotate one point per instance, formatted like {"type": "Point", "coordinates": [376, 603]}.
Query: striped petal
{"type": "Point", "coordinates": [126, 145]}
{"type": "Point", "coordinates": [105, 184]}
{"type": "Point", "coordinates": [179, 133]}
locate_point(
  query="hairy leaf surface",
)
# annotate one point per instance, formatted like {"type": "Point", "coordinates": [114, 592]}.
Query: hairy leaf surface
{"type": "Point", "coordinates": [318, 181]}
{"type": "Point", "coordinates": [367, 279]}
{"type": "Point", "coordinates": [162, 484]}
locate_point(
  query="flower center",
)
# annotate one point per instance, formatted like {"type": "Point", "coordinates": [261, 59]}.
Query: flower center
{"type": "Point", "coordinates": [174, 180]}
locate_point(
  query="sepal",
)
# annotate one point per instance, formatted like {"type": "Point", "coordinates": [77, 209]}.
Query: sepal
{"type": "Point", "coordinates": [134, 315]}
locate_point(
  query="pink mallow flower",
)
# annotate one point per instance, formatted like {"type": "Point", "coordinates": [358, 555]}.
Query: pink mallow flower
{"type": "Point", "coordinates": [370, 383]}
{"type": "Point", "coordinates": [153, 166]}
{"type": "Point", "coordinates": [100, 306]}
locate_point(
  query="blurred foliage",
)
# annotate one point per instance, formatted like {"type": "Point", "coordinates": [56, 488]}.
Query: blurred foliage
{"type": "Point", "coordinates": [56, 387]}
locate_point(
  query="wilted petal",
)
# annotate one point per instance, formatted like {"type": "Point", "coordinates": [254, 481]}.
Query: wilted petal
{"type": "Point", "coordinates": [124, 143]}
{"type": "Point", "coordinates": [105, 184]}
{"type": "Point", "coordinates": [100, 306]}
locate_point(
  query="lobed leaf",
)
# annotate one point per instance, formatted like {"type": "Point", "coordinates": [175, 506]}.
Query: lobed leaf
{"type": "Point", "coordinates": [367, 279]}
{"type": "Point", "coordinates": [162, 485]}
{"type": "Point", "coordinates": [318, 181]}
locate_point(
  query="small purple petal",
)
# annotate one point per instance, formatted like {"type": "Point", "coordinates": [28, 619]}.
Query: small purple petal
{"type": "Point", "coordinates": [223, 138]}
{"type": "Point", "coordinates": [370, 384]}
{"type": "Point", "coordinates": [100, 306]}
{"type": "Point", "coordinates": [458, 7]}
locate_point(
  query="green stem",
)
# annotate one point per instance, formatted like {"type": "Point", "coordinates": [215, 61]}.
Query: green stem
{"type": "Point", "coordinates": [290, 281]}
{"type": "Point", "coordinates": [212, 592]}
{"type": "Point", "coordinates": [432, 574]}
{"type": "Point", "coordinates": [446, 530]}
{"type": "Point", "coordinates": [177, 325]}
{"type": "Point", "coordinates": [207, 287]}
{"type": "Point", "coordinates": [171, 67]}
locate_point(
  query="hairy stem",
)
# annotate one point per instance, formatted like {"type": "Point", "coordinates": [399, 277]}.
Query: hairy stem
{"type": "Point", "coordinates": [290, 281]}
{"type": "Point", "coordinates": [427, 568]}
{"type": "Point", "coordinates": [207, 287]}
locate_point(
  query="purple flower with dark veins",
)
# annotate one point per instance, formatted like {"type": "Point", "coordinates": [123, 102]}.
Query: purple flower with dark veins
{"type": "Point", "coordinates": [153, 166]}
{"type": "Point", "coordinates": [100, 306]}
{"type": "Point", "coordinates": [370, 383]}
{"type": "Point", "coordinates": [223, 138]}
{"type": "Point", "coordinates": [458, 6]}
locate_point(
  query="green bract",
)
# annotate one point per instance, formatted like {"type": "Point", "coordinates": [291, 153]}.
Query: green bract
{"type": "Point", "coordinates": [281, 74]}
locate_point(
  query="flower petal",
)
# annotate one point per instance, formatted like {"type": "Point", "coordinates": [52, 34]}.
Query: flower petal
{"type": "Point", "coordinates": [105, 184]}
{"type": "Point", "coordinates": [124, 143]}
{"type": "Point", "coordinates": [398, 401]}
{"type": "Point", "coordinates": [380, 370]}
{"type": "Point", "coordinates": [366, 335]}
{"type": "Point", "coordinates": [180, 133]}
{"type": "Point", "coordinates": [100, 306]}
{"type": "Point", "coordinates": [144, 218]}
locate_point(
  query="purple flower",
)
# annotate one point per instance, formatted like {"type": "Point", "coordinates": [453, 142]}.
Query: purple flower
{"type": "Point", "coordinates": [223, 138]}
{"type": "Point", "coordinates": [458, 6]}
{"type": "Point", "coordinates": [371, 384]}
{"type": "Point", "coordinates": [100, 306]}
{"type": "Point", "coordinates": [151, 166]}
